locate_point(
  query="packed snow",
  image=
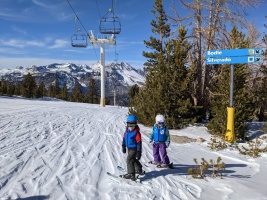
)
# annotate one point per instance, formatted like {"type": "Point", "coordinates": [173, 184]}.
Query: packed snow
{"type": "Point", "coordinates": [62, 150]}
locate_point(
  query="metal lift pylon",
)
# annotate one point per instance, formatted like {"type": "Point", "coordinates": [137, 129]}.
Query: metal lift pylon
{"type": "Point", "coordinates": [111, 40]}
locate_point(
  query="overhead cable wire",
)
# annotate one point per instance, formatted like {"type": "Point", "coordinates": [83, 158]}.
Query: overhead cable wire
{"type": "Point", "coordinates": [82, 26]}
{"type": "Point", "coordinates": [98, 9]}
{"type": "Point", "coordinates": [116, 54]}
{"type": "Point", "coordinates": [76, 15]}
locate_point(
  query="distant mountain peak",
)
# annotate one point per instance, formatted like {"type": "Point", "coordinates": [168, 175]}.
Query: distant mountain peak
{"type": "Point", "coordinates": [119, 76]}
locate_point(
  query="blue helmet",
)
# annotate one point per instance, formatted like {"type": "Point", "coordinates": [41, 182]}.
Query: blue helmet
{"type": "Point", "coordinates": [131, 119]}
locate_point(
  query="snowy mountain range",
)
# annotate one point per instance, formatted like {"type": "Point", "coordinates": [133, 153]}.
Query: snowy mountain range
{"type": "Point", "coordinates": [119, 76]}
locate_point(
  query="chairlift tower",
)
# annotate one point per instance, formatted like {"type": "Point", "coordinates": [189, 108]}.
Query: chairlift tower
{"type": "Point", "coordinates": [109, 26]}
{"type": "Point", "coordinates": [111, 41]}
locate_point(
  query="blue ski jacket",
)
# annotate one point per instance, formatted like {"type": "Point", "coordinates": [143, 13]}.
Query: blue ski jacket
{"type": "Point", "coordinates": [160, 134]}
{"type": "Point", "coordinates": [132, 139]}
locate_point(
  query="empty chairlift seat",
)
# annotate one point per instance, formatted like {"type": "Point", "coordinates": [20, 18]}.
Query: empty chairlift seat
{"type": "Point", "coordinates": [110, 23]}
{"type": "Point", "coordinates": [79, 40]}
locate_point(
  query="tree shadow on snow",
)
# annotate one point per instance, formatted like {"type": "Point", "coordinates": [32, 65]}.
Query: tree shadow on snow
{"type": "Point", "coordinates": [227, 174]}
{"type": "Point", "coordinates": [235, 165]}
{"type": "Point", "coordinates": [255, 130]}
{"type": "Point", "coordinates": [180, 169]}
{"type": "Point", "coordinates": [42, 197]}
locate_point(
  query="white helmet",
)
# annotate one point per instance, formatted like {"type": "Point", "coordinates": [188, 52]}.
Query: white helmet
{"type": "Point", "coordinates": [160, 118]}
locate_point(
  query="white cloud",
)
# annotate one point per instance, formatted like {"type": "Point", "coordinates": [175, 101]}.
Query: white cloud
{"type": "Point", "coordinates": [23, 32]}
{"type": "Point", "coordinates": [63, 16]}
{"type": "Point", "coordinates": [59, 44]}
{"type": "Point", "coordinates": [21, 43]}
{"type": "Point", "coordinates": [42, 4]}
{"type": "Point", "coordinates": [35, 43]}
{"type": "Point", "coordinates": [13, 43]}
{"type": "Point", "coordinates": [54, 9]}
{"type": "Point", "coordinates": [13, 50]}
{"type": "Point", "coordinates": [10, 16]}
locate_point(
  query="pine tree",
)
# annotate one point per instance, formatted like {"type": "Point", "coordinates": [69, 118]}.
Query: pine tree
{"type": "Point", "coordinates": [28, 86]}
{"type": "Point", "coordinates": [161, 28]}
{"type": "Point", "coordinates": [220, 92]}
{"type": "Point", "coordinates": [3, 87]}
{"type": "Point", "coordinates": [10, 89]}
{"type": "Point", "coordinates": [56, 88]}
{"type": "Point", "coordinates": [259, 89]}
{"type": "Point", "coordinates": [17, 89]}
{"type": "Point", "coordinates": [51, 91]}
{"type": "Point", "coordinates": [64, 92]}
{"type": "Point", "coordinates": [92, 95]}
{"type": "Point", "coordinates": [39, 91]}
{"type": "Point", "coordinates": [76, 95]}
{"type": "Point", "coordinates": [181, 109]}
{"type": "Point", "coordinates": [168, 81]}
{"type": "Point", "coordinates": [42, 89]}
{"type": "Point", "coordinates": [134, 90]}
{"type": "Point", "coordinates": [152, 95]}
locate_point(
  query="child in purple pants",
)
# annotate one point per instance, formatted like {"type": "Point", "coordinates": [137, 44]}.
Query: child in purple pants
{"type": "Point", "coordinates": [160, 138]}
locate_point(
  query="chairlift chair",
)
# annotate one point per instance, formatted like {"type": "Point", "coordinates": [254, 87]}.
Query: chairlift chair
{"type": "Point", "coordinates": [79, 40]}
{"type": "Point", "coordinates": [110, 23]}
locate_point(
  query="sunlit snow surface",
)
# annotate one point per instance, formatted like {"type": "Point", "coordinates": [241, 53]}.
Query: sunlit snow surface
{"type": "Point", "coordinates": [60, 150]}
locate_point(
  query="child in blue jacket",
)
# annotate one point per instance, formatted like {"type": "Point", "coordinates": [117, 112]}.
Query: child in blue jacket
{"type": "Point", "coordinates": [160, 138]}
{"type": "Point", "coordinates": [132, 140]}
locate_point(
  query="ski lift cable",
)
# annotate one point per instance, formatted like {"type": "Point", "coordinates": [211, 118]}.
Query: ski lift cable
{"type": "Point", "coordinates": [115, 46]}
{"type": "Point", "coordinates": [98, 8]}
{"type": "Point", "coordinates": [116, 54]}
{"type": "Point", "coordinates": [113, 5]}
{"type": "Point", "coordinates": [75, 25]}
{"type": "Point", "coordinates": [82, 26]}
{"type": "Point", "coordinates": [76, 16]}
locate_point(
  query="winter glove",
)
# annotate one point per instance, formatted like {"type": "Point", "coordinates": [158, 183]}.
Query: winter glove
{"type": "Point", "coordinates": [123, 148]}
{"type": "Point", "coordinates": [151, 142]}
{"type": "Point", "coordinates": [138, 155]}
{"type": "Point", "coordinates": [167, 144]}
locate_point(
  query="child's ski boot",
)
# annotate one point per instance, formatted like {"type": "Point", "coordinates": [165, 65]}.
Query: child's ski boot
{"type": "Point", "coordinates": [129, 176]}
{"type": "Point", "coordinates": [141, 173]}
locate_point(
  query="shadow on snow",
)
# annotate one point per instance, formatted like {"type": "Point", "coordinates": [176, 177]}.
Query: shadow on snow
{"type": "Point", "coordinates": [180, 169]}
{"type": "Point", "coordinates": [42, 197]}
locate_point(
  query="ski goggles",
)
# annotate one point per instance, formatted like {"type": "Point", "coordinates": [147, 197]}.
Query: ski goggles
{"type": "Point", "coordinates": [131, 124]}
{"type": "Point", "coordinates": [160, 123]}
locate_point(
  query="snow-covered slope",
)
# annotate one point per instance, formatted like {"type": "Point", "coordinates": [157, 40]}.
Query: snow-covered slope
{"type": "Point", "coordinates": [62, 150]}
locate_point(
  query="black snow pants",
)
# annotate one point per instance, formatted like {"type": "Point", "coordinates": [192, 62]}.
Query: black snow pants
{"type": "Point", "coordinates": [133, 164]}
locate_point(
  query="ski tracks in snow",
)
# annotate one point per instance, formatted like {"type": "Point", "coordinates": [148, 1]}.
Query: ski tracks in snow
{"type": "Point", "coordinates": [63, 150]}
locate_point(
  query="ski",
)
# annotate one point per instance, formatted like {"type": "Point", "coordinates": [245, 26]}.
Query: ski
{"type": "Point", "coordinates": [160, 165]}
{"type": "Point", "coordinates": [119, 179]}
{"type": "Point", "coordinates": [151, 163]}
{"type": "Point", "coordinates": [121, 169]}
{"type": "Point", "coordinates": [170, 166]}
{"type": "Point", "coordinates": [125, 171]}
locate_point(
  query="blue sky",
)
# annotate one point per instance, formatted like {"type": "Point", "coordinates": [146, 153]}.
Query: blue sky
{"type": "Point", "coordinates": [38, 32]}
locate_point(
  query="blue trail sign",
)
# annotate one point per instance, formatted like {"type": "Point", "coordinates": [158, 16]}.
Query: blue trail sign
{"type": "Point", "coordinates": [233, 60]}
{"type": "Point", "coordinates": [234, 56]}
{"type": "Point", "coordinates": [234, 52]}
